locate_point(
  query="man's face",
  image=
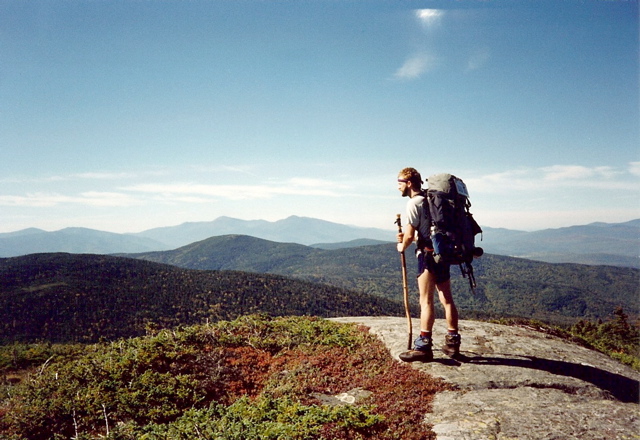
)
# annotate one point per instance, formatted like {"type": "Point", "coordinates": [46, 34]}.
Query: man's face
{"type": "Point", "coordinates": [403, 187]}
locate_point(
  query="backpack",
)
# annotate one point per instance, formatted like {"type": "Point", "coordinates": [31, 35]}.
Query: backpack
{"type": "Point", "coordinates": [453, 228]}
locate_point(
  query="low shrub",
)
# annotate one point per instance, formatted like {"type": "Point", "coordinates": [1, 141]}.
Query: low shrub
{"type": "Point", "coordinates": [252, 378]}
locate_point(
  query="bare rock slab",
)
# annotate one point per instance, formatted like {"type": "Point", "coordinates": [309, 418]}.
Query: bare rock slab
{"type": "Point", "coordinates": [517, 383]}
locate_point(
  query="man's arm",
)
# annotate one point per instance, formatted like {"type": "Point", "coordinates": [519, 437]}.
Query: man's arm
{"type": "Point", "coordinates": [405, 239]}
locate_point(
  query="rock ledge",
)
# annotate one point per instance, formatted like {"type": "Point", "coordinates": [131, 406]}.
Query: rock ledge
{"type": "Point", "coordinates": [516, 383]}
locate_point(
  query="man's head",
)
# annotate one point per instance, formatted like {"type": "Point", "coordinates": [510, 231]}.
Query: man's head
{"type": "Point", "coordinates": [409, 180]}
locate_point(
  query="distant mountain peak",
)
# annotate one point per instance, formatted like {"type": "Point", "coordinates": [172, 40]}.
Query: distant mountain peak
{"type": "Point", "coordinates": [22, 232]}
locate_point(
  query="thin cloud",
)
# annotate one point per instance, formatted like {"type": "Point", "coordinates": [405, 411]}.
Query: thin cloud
{"type": "Point", "coordinates": [566, 172]}
{"type": "Point", "coordinates": [429, 18]}
{"type": "Point", "coordinates": [415, 66]}
{"type": "Point", "coordinates": [168, 190]}
{"type": "Point", "coordinates": [33, 200]}
{"type": "Point", "coordinates": [46, 179]}
{"type": "Point", "coordinates": [79, 176]}
{"type": "Point", "coordinates": [90, 198]}
{"type": "Point", "coordinates": [509, 181]}
{"type": "Point", "coordinates": [420, 63]}
{"type": "Point", "coordinates": [292, 187]}
{"type": "Point", "coordinates": [105, 198]}
{"type": "Point", "coordinates": [316, 183]}
{"type": "Point", "coordinates": [568, 176]}
{"type": "Point", "coordinates": [557, 195]}
{"type": "Point", "coordinates": [577, 172]}
{"type": "Point", "coordinates": [238, 169]}
{"type": "Point", "coordinates": [102, 176]}
{"type": "Point", "coordinates": [478, 59]}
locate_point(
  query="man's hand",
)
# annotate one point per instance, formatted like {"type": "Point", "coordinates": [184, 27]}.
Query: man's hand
{"type": "Point", "coordinates": [400, 245]}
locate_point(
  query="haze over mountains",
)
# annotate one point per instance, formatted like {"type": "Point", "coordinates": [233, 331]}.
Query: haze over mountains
{"type": "Point", "coordinates": [616, 244]}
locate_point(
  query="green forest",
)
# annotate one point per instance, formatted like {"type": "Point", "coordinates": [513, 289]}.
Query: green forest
{"type": "Point", "coordinates": [86, 298]}
{"type": "Point", "coordinates": [507, 287]}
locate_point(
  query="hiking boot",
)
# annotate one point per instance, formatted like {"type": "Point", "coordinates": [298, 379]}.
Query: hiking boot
{"type": "Point", "coordinates": [421, 351]}
{"type": "Point", "coordinates": [451, 345]}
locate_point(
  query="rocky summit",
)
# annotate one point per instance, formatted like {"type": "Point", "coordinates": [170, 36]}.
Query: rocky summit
{"type": "Point", "coordinates": [515, 382]}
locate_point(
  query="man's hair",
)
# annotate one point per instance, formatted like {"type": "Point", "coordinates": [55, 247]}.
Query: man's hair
{"type": "Point", "coordinates": [412, 175]}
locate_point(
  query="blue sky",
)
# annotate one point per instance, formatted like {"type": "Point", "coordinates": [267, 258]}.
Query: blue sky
{"type": "Point", "coordinates": [128, 115]}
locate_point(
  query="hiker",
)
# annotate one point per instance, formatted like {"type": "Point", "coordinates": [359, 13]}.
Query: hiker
{"type": "Point", "coordinates": [431, 275]}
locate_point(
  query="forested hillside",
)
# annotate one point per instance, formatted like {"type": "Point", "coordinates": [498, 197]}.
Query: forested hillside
{"type": "Point", "coordinates": [558, 293]}
{"type": "Point", "coordinates": [73, 297]}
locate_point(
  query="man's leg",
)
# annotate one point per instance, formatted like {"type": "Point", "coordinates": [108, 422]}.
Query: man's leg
{"type": "Point", "coordinates": [452, 339]}
{"type": "Point", "coordinates": [426, 286]}
{"type": "Point", "coordinates": [422, 350]}
{"type": "Point", "coordinates": [450, 309]}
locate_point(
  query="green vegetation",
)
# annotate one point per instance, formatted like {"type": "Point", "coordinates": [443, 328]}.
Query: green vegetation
{"type": "Point", "coordinates": [552, 293]}
{"type": "Point", "coordinates": [507, 287]}
{"type": "Point", "coordinates": [616, 337]}
{"type": "Point", "coordinates": [251, 378]}
{"type": "Point", "coordinates": [87, 298]}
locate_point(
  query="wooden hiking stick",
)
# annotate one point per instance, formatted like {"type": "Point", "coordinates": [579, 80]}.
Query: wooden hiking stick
{"type": "Point", "coordinates": [405, 287]}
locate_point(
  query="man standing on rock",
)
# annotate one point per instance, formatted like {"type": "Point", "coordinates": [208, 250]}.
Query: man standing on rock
{"type": "Point", "coordinates": [431, 275]}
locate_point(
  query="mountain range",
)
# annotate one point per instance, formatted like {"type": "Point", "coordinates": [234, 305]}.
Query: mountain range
{"type": "Point", "coordinates": [616, 244]}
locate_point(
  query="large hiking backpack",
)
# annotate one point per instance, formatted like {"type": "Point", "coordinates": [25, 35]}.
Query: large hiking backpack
{"type": "Point", "coordinates": [453, 228]}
